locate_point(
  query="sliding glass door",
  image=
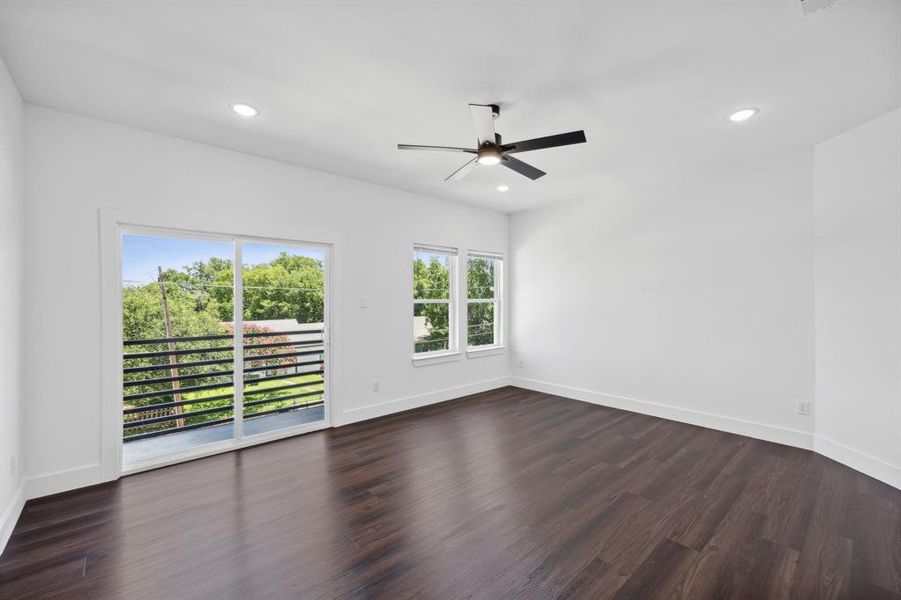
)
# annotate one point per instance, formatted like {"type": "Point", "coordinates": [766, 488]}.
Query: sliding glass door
{"type": "Point", "coordinates": [200, 313]}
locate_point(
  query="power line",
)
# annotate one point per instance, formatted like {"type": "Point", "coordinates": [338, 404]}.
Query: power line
{"type": "Point", "coordinates": [221, 285]}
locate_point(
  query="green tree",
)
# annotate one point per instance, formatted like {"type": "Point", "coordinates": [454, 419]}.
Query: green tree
{"type": "Point", "coordinates": [192, 313]}
{"type": "Point", "coordinates": [431, 280]}
{"type": "Point", "coordinates": [288, 287]}
{"type": "Point", "coordinates": [208, 272]}
{"type": "Point", "coordinates": [480, 276]}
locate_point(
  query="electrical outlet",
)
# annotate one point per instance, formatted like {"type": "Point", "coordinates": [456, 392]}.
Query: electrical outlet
{"type": "Point", "coordinates": [376, 386]}
{"type": "Point", "coordinates": [803, 408]}
{"type": "Point", "coordinates": [12, 465]}
{"type": "Point", "coordinates": [520, 364]}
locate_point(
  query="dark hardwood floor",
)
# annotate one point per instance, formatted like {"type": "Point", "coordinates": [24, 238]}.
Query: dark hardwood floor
{"type": "Point", "coordinates": [506, 494]}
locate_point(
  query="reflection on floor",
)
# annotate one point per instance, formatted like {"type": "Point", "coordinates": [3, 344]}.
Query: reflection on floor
{"type": "Point", "coordinates": [141, 449]}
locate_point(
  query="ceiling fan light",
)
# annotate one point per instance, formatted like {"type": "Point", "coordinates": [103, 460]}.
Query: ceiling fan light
{"type": "Point", "coordinates": [489, 155]}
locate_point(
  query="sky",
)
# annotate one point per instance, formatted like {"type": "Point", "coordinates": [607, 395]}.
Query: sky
{"type": "Point", "coordinates": [426, 256]}
{"type": "Point", "coordinates": [141, 254]}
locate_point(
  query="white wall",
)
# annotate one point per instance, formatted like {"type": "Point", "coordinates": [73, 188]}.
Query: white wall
{"type": "Point", "coordinates": [77, 165]}
{"type": "Point", "coordinates": [858, 297]}
{"type": "Point", "coordinates": [690, 300]}
{"type": "Point", "coordinates": [12, 204]}
{"type": "Point", "coordinates": [695, 297]}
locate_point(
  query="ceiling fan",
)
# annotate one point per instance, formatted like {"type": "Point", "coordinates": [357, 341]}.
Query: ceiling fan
{"type": "Point", "coordinates": [491, 151]}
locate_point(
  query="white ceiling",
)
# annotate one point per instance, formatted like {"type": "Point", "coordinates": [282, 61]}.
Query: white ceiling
{"type": "Point", "coordinates": [339, 84]}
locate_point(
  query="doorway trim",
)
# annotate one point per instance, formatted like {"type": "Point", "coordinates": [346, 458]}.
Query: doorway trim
{"type": "Point", "coordinates": [114, 224]}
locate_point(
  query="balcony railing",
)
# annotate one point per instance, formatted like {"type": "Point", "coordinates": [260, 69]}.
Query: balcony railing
{"type": "Point", "coordinates": [180, 384]}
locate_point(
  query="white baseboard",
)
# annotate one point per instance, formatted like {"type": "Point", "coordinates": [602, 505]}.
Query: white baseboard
{"type": "Point", "coordinates": [381, 409]}
{"type": "Point", "coordinates": [761, 431]}
{"type": "Point", "coordinates": [11, 516]}
{"type": "Point", "coordinates": [63, 481]}
{"type": "Point", "coordinates": [859, 461]}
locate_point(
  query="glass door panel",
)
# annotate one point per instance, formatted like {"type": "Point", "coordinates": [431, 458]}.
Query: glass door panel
{"type": "Point", "coordinates": [178, 351]}
{"type": "Point", "coordinates": [283, 299]}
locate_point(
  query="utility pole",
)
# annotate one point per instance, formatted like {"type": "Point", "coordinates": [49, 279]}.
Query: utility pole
{"type": "Point", "coordinates": [173, 361]}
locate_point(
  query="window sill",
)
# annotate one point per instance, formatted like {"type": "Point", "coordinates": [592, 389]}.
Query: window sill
{"type": "Point", "coordinates": [434, 359]}
{"type": "Point", "coordinates": [479, 352]}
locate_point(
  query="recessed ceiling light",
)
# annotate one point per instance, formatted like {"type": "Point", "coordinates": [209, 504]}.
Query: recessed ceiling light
{"type": "Point", "coordinates": [742, 115]}
{"type": "Point", "coordinates": [245, 110]}
{"type": "Point", "coordinates": [503, 187]}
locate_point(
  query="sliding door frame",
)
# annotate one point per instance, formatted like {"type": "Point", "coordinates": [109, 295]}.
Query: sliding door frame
{"type": "Point", "coordinates": [114, 224]}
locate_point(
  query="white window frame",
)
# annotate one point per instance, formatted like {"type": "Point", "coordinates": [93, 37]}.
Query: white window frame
{"type": "Point", "coordinates": [114, 224]}
{"type": "Point", "coordinates": [497, 300]}
{"type": "Point", "coordinates": [452, 352]}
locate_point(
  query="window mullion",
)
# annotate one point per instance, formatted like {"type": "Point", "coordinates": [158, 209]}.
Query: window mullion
{"type": "Point", "coordinates": [238, 343]}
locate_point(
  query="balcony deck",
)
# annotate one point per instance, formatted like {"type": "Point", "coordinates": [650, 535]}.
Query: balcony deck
{"type": "Point", "coordinates": [173, 442]}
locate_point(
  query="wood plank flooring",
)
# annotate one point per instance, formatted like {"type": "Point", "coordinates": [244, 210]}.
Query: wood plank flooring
{"type": "Point", "coordinates": [506, 494]}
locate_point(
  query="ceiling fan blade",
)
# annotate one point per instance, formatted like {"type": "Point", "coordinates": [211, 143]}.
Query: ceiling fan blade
{"type": "Point", "coordinates": [463, 171]}
{"type": "Point", "coordinates": [551, 141]}
{"type": "Point", "coordinates": [483, 119]}
{"type": "Point", "coordinates": [435, 148]}
{"type": "Point", "coordinates": [522, 168]}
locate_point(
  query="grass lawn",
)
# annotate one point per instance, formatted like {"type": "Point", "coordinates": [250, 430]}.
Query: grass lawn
{"type": "Point", "coordinates": [256, 387]}
{"type": "Point", "coordinates": [226, 403]}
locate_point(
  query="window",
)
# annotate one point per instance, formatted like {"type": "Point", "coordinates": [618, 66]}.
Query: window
{"type": "Point", "coordinates": [434, 321]}
{"type": "Point", "coordinates": [483, 301]}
